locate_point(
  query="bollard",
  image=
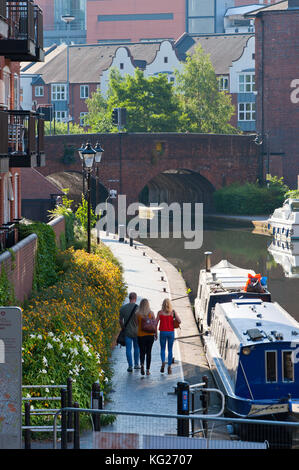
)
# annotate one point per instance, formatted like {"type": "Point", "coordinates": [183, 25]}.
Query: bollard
{"type": "Point", "coordinates": [205, 403]}
{"type": "Point", "coordinates": [131, 238]}
{"type": "Point", "coordinates": [121, 233]}
{"type": "Point", "coordinates": [27, 436]}
{"type": "Point", "coordinates": [70, 414]}
{"type": "Point", "coordinates": [63, 418]}
{"type": "Point", "coordinates": [76, 427]}
{"type": "Point", "coordinates": [96, 404]}
{"type": "Point", "coordinates": [183, 393]}
{"type": "Point", "coordinates": [159, 269]}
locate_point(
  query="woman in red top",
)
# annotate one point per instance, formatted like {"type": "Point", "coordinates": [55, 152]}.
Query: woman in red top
{"type": "Point", "coordinates": [166, 328]}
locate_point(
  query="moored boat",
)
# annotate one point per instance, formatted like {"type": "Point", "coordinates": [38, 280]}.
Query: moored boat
{"type": "Point", "coordinates": [251, 344]}
{"type": "Point", "coordinates": [284, 222]}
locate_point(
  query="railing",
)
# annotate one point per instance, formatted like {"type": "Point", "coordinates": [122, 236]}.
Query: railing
{"type": "Point", "coordinates": [3, 133]}
{"type": "Point", "coordinates": [3, 8]}
{"type": "Point", "coordinates": [20, 20]}
{"type": "Point", "coordinates": [25, 134]}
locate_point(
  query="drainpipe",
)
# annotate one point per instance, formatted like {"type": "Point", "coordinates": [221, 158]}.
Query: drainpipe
{"type": "Point", "coordinates": [261, 171]}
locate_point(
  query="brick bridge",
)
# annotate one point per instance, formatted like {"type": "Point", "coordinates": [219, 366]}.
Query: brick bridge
{"type": "Point", "coordinates": [136, 161]}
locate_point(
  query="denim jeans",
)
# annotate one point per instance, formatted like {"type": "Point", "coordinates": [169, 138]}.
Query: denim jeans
{"type": "Point", "coordinates": [129, 343]}
{"type": "Point", "coordinates": [166, 337]}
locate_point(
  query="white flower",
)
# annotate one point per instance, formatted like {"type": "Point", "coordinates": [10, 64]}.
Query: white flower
{"type": "Point", "coordinates": [43, 371]}
{"type": "Point", "coordinates": [39, 337]}
{"type": "Point", "coordinates": [49, 346]}
{"type": "Point", "coordinates": [50, 334]}
{"type": "Point", "coordinates": [45, 362]}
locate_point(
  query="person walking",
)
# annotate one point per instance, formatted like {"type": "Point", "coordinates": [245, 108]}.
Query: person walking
{"type": "Point", "coordinates": [127, 321]}
{"type": "Point", "coordinates": [165, 320]}
{"type": "Point", "coordinates": [147, 333]}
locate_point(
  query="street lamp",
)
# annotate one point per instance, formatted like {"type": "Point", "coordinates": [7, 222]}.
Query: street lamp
{"type": "Point", "coordinates": [89, 156]}
{"type": "Point", "coordinates": [68, 19]}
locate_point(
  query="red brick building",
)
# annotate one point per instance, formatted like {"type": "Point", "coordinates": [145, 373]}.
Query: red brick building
{"type": "Point", "coordinates": [277, 85]}
{"type": "Point", "coordinates": [21, 136]}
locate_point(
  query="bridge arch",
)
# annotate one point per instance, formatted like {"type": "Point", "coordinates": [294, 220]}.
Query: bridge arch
{"type": "Point", "coordinates": [178, 185]}
{"type": "Point", "coordinates": [73, 180]}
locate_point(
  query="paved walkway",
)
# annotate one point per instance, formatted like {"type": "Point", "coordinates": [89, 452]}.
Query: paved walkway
{"type": "Point", "coordinates": [151, 276]}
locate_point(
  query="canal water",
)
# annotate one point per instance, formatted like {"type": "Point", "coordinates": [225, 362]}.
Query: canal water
{"type": "Point", "coordinates": [241, 247]}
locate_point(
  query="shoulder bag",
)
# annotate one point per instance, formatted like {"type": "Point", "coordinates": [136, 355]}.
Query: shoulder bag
{"type": "Point", "coordinates": [121, 337]}
{"type": "Point", "coordinates": [175, 322]}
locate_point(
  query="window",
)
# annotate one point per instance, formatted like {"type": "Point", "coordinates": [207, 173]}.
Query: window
{"type": "Point", "coordinates": [39, 91]}
{"type": "Point", "coordinates": [82, 119]}
{"type": "Point", "coordinates": [246, 83]}
{"type": "Point", "coordinates": [223, 83]}
{"type": "Point", "coordinates": [287, 366]}
{"type": "Point", "coordinates": [121, 66]}
{"type": "Point", "coordinates": [165, 60]}
{"type": "Point", "coordinates": [271, 367]}
{"type": "Point", "coordinates": [246, 111]}
{"type": "Point", "coordinates": [58, 92]}
{"type": "Point", "coordinates": [60, 116]}
{"type": "Point", "coordinates": [84, 91]}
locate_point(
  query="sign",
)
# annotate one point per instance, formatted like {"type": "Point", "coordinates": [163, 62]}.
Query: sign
{"type": "Point", "coordinates": [10, 378]}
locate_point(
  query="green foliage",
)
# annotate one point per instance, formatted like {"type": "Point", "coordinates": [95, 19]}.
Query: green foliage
{"type": "Point", "coordinates": [250, 198]}
{"type": "Point", "coordinates": [7, 296]}
{"type": "Point", "coordinates": [45, 273]}
{"type": "Point", "coordinates": [292, 194]}
{"type": "Point", "coordinates": [68, 154]}
{"type": "Point", "coordinates": [97, 118]}
{"type": "Point", "coordinates": [65, 209]}
{"type": "Point", "coordinates": [82, 215]}
{"type": "Point", "coordinates": [152, 105]}
{"type": "Point", "coordinates": [208, 110]}
{"type": "Point", "coordinates": [61, 128]}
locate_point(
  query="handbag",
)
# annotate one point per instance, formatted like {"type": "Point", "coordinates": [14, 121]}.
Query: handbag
{"type": "Point", "coordinates": [175, 322]}
{"type": "Point", "coordinates": [148, 325]}
{"type": "Point", "coordinates": [121, 339]}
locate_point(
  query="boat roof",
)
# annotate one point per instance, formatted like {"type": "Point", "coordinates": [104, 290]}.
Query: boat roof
{"type": "Point", "coordinates": [255, 321]}
{"type": "Point", "coordinates": [226, 275]}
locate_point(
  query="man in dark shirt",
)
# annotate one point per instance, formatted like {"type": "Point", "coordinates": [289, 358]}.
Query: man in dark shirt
{"type": "Point", "coordinates": [130, 331]}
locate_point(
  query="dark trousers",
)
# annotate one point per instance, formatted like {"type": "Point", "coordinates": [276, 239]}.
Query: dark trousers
{"type": "Point", "coordinates": [145, 346]}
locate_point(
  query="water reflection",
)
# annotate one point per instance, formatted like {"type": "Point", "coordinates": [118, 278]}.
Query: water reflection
{"type": "Point", "coordinates": [240, 247]}
{"type": "Point", "coordinates": [287, 255]}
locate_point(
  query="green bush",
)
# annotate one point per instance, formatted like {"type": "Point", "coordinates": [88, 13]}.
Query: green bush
{"type": "Point", "coordinates": [250, 198]}
{"type": "Point", "coordinates": [45, 270]}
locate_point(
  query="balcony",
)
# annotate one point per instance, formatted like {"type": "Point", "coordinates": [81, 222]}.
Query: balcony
{"type": "Point", "coordinates": [4, 158]}
{"type": "Point", "coordinates": [24, 39]}
{"type": "Point", "coordinates": [25, 139]}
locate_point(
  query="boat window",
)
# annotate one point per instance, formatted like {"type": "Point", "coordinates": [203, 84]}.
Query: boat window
{"type": "Point", "coordinates": [287, 366]}
{"type": "Point", "coordinates": [271, 366]}
{"type": "Point", "coordinates": [295, 206]}
{"type": "Point", "coordinates": [226, 349]}
{"type": "Point", "coordinates": [222, 342]}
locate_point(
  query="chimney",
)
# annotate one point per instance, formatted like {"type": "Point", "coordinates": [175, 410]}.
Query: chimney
{"type": "Point", "coordinates": [208, 261]}
{"type": "Point", "coordinates": [293, 5]}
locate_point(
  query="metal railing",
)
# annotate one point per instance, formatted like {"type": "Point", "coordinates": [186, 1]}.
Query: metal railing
{"type": "Point", "coordinates": [20, 17]}
{"type": "Point", "coordinates": [3, 9]}
{"type": "Point", "coordinates": [25, 132]}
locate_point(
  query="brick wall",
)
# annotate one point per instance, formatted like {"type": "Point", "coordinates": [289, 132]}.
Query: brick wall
{"type": "Point", "coordinates": [133, 161]}
{"type": "Point", "coordinates": [19, 267]}
{"type": "Point", "coordinates": [277, 77]}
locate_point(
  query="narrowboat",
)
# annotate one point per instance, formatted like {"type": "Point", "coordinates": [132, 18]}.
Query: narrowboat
{"type": "Point", "coordinates": [251, 344]}
{"type": "Point", "coordinates": [284, 222]}
{"type": "Point", "coordinates": [287, 255]}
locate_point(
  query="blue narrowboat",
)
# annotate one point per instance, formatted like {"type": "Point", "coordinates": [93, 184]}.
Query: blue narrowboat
{"type": "Point", "coordinates": [251, 344]}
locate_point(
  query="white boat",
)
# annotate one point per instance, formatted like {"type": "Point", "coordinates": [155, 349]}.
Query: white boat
{"type": "Point", "coordinates": [287, 255]}
{"type": "Point", "coordinates": [250, 342]}
{"type": "Point", "coordinates": [284, 222]}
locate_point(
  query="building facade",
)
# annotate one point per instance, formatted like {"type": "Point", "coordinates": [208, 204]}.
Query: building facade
{"type": "Point", "coordinates": [56, 31]}
{"type": "Point", "coordinates": [277, 85]}
{"type": "Point", "coordinates": [21, 137]}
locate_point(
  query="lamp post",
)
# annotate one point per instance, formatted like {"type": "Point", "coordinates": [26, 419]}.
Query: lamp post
{"type": "Point", "coordinates": [68, 19]}
{"type": "Point", "coordinates": [89, 156]}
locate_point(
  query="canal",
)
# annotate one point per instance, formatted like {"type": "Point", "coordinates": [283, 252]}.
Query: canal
{"type": "Point", "coordinates": [241, 247]}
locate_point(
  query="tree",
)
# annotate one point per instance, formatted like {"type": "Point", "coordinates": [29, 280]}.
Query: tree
{"type": "Point", "coordinates": [208, 109]}
{"type": "Point", "coordinates": [97, 119]}
{"type": "Point", "coordinates": [152, 105]}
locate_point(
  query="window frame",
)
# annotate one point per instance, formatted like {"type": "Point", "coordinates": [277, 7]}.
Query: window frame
{"type": "Point", "coordinates": [266, 368]}
{"type": "Point", "coordinates": [58, 95]}
{"type": "Point", "coordinates": [246, 86]}
{"type": "Point", "coordinates": [83, 94]}
{"type": "Point", "coordinates": [283, 365]}
{"type": "Point", "coordinates": [60, 119]}
{"type": "Point", "coordinates": [251, 112]}
{"type": "Point", "coordinates": [40, 88]}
